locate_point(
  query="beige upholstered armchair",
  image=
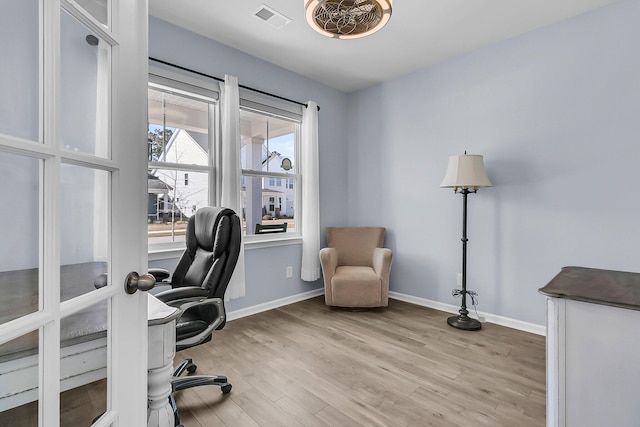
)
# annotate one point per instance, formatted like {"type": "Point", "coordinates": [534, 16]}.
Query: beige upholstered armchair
{"type": "Point", "coordinates": [356, 267]}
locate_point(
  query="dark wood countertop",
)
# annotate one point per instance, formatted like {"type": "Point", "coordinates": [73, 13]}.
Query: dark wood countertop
{"type": "Point", "coordinates": [605, 287]}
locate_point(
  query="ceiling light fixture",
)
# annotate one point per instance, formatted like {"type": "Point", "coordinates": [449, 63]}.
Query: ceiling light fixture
{"type": "Point", "coordinates": [347, 19]}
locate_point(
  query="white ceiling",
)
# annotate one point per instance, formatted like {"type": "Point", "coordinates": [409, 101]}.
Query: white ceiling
{"type": "Point", "coordinates": [420, 33]}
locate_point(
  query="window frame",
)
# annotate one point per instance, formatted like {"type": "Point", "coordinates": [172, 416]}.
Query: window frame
{"type": "Point", "coordinates": [277, 110]}
{"type": "Point", "coordinates": [182, 85]}
{"type": "Point", "coordinates": [186, 84]}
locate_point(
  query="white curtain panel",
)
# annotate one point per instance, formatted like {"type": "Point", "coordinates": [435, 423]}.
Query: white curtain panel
{"type": "Point", "coordinates": [310, 270]}
{"type": "Point", "coordinates": [231, 189]}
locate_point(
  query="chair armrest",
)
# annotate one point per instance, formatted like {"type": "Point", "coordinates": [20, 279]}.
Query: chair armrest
{"type": "Point", "coordinates": [174, 297]}
{"type": "Point", "coordinates": [196, 302]}
{"type": "Point", "coordinates": [329, 261]}
{"type": "Point", "coordinates": [382, 258]}
{"type": "Point", "coordinates": [160, 274]}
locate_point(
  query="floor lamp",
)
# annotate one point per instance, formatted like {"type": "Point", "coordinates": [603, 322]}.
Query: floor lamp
{"type": "Point", "coordinates": [465, 174]}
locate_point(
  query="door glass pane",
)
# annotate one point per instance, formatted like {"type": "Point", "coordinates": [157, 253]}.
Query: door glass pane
{"type": "Point", "coordinates": [178, 129]}
{"type": "Point", "coordinates": [19, 386]}
{"type": "Point", "coordinates": [84, 226]}
{"type": "Point", "coordinates": [84, 90]}
{"type": "Point", "coordinates": [20, 70]}
{"type": "Point", "coordinates": [19, 253]}
{"type": "Point", "coordinates": [96, 8]}
{"type": "Point", "coordinates": [83, 365]}
{"type": "Point", "coordinates": [173, 196]}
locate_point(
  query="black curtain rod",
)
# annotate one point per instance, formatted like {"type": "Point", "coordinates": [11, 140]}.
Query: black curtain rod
{"type": "Point", "coordinates": [222, 80]}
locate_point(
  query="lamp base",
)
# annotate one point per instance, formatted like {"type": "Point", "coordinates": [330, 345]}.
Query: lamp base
{"type": "Point", "coordinates": [464, 322]}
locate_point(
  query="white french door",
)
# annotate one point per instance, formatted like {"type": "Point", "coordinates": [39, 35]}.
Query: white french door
{"type": "Point", "coordinates": [73, 172]}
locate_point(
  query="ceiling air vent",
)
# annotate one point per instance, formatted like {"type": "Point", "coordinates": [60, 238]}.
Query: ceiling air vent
{"type": "Point", "coordinates": [271, 16]}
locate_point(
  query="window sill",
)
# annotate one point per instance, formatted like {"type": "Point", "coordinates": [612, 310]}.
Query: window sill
{"type": "Point", "coordinates": [161, 253]}
{"type": "Point", "coordinates": [271, 242]}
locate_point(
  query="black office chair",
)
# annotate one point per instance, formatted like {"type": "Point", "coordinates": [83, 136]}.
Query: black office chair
{"type": "Point", "coordinates": [198, 286]}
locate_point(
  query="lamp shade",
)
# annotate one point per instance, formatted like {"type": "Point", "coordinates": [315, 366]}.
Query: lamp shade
{"type": "Point", "coordinates": [466, 170]}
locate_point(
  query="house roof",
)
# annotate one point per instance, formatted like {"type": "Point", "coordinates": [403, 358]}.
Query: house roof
{"type": "Point", "coordinates": [156, 186]}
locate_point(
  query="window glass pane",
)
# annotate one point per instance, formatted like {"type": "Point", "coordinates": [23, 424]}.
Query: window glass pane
{"type": "Point", "coordinates": [19, 245]}
{"type": "Point", "coordinates": [96, 8]}
{"type": "Point", "coordinates": [178, 129]}
{"type": "Point", "coordinates": [268, 146]}
{"type": "Point", "coordinates": [173, 196]}
{"type": "Point", "coordinates": [267, 205]}
{"type": "Point", "coordinates": [84, 217]}
{"type": "Point", "coordinates": [19, 386]}
{"type": "Point", "coordinates": [268, 143]}
{"type": "Point", "coordinates": [19, 73]}
{"type": "Point", "coordinates": [83, 365]}
{"type": "Point", "coordinates": [84, 89]}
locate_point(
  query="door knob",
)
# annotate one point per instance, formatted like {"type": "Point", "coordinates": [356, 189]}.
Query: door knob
{"type": "Point", "coordinates": [133, 282]}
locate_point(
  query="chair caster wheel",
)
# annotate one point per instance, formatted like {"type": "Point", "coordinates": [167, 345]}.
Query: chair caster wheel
{"type": "Point", "coordinates": [191, 368]}
{"type": "Point", "coordinates": [226, 388]}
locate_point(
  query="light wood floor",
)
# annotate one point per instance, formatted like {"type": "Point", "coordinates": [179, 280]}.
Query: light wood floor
{"type": "Point", "coordinates": [310, 365]}
{"type": "Point", "coordinates": [306, 364]}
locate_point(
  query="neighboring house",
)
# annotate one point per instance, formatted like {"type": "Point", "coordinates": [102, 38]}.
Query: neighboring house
{"type": "Point", "coordinates": [156, 189]}
{"type": "Point", "coordinates": [278, 195]}
{"type": "Point", "coordinates": [172, 191]}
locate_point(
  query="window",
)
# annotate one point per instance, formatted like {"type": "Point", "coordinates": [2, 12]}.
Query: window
{"type": "Point", "coordinates": [269, 155]}
{"type": "Point", "coordinates": [183, 146]}
{"type": "Point", "coordinates": [180, 145]}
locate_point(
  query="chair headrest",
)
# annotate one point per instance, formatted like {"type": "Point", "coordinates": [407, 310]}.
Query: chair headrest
{"type": "Point", "coordinates": [207, 226]}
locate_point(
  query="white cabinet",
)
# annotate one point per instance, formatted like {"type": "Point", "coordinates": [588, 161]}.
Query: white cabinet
{"type": "Point", "coordinates": [593, 348]}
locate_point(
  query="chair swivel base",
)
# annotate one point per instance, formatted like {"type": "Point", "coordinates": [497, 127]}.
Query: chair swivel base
{"type": "Point", "coordinates": [181, 383]}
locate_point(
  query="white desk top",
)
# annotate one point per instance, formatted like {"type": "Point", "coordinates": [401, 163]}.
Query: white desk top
{"type": "Point", "coordinates": [159, 312]}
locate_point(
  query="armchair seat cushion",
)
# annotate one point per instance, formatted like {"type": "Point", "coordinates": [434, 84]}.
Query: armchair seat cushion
{"type": "Point", "coordinates": [356, 286]}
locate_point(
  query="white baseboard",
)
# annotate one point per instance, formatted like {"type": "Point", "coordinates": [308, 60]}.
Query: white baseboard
{"type": "Point", "coordinates": [448, 308]}
{"type": "Point", "coordinates": [270, 305]}
{"type": "Point", "coordinates": [491, 318]}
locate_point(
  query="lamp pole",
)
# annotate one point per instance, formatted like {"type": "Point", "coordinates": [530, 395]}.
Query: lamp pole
{"type": "Point", "coordinates": [463, 321]}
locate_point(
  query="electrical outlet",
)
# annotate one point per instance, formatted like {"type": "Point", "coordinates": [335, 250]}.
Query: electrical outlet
{"type": "Point", "coordinates": [459, 279]}
{"type": "Point", "coordinates": [289, 272]}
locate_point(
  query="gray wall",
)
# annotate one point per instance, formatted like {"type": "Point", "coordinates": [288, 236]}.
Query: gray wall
{"type": "Point", "coordinates": [265, 268]}
{"type": "Point", "coordinates": [556, 113]}
{"type": "Point", "coordinates": [19, 105]}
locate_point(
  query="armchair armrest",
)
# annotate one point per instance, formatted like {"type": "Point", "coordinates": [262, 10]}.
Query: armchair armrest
{"type": "Point", "coordinates": [382, 261]}
{"type": "Point", "coordinates": [329, 261]}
